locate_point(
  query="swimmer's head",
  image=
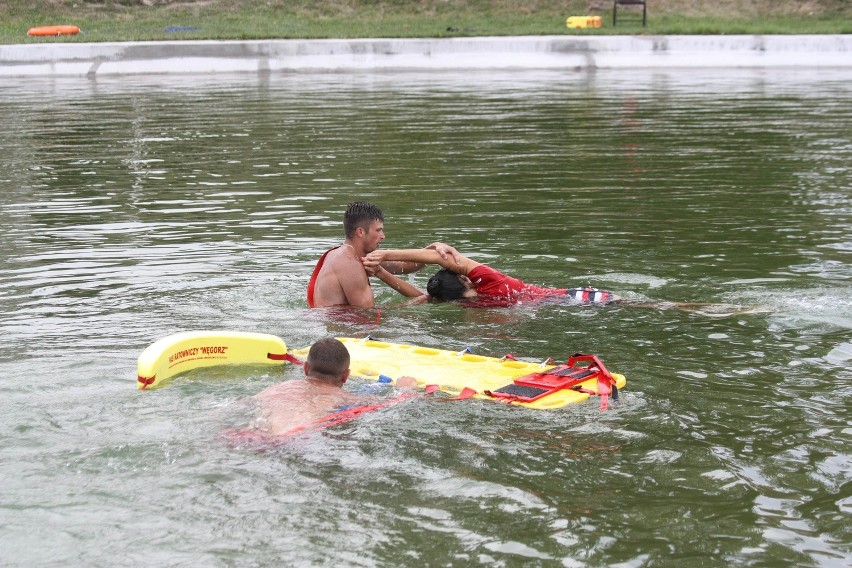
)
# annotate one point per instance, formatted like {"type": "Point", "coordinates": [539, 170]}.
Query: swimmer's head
{"type": "Point", "coordinates": [448, 286]}
{"type": "Point", "coordinates": [328, 359]}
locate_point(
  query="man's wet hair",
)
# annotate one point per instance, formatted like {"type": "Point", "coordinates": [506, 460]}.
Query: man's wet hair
{"type": "Point", "coordinates": [446, 285]}
{"type": "Point", "coordinates": [360, 214]}
{"type": "Point", "coordinates": [328, 357]}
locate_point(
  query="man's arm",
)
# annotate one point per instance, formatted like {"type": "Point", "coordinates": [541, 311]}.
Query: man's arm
{"type": "Point", "coordinates": [355, 284]}
{"type": "Point", "coordinates": [461, 264]}
{"type": "Point", "coordinates": [407, 267]}
{"type": "Point", "coordinates": [401, 267]}
{"type": "Point", "coordinates": [403, 287]}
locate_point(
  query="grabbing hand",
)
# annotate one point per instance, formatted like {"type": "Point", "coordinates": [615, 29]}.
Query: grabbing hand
{"type": "Point", "coordinates": [372, 262]}
{"type": "Point", "coordinates": [444, 250]}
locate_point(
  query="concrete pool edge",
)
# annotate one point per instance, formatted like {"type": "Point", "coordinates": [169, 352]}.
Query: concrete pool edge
{"type": "Point", "coordinates": [340, 55]}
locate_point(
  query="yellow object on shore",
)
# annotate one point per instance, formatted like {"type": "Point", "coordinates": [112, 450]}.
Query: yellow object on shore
{"type": "Point", "coordinates": [584, 22]}
{"type": "Point", "coordinates": [53, 31]}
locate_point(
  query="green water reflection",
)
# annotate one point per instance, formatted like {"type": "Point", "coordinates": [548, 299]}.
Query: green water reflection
{"type": "Point", "coordinates": [132, 210]}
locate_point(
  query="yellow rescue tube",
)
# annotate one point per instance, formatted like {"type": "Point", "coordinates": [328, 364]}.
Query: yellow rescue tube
{"type": "Point", "coordinates": [584, 22]}
{"type": "Point", "coordinates": [53, 31]}
{"type": "Point", "coordinates": [183, 352]}
{"type": "Point", "coordinates": [453, 371]}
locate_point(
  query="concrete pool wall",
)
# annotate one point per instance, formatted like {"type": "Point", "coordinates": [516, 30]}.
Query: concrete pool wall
{"type": "Point", "coordinates": [543, 52]}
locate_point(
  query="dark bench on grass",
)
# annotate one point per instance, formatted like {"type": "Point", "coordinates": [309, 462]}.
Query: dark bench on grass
{"type": "Point", "coordinates": [617, 3]}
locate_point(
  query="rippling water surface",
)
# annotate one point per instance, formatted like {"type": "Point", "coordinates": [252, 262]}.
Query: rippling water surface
{"type": "Point", "coordinates": [136, 208]}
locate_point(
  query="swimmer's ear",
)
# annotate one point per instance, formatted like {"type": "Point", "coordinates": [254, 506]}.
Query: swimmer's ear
{"type": "Point", "coordinates": [306, 369]}
{"type": "Point", "coordinates": [344, 376]}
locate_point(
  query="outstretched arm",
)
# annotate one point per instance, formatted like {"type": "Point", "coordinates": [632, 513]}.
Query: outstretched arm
{"type": "Point", "coordinates": [408, 266]}
{"type": "Point", "coordinates": [446, 251]}
{"type": "Point", "coordinates": [460, 264]}
{"type": "Point", "coordinates": [403, 287]}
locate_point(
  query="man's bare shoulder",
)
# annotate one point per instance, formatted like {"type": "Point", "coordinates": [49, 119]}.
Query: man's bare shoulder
{"type": "Point", "coordinates": [281, 390]}
{"type": "Point", "coordinates": [342, 258]}
{"type": "Point", "coordinates": [343, 281]}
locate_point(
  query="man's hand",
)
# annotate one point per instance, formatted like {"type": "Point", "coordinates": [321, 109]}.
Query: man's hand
{"type": "Point", "coordinates": [445, 250]}
{"type": "Point", "coordinates": [372, 262]}
{"type": "Point", "coordinates": [422, 299]}
{"type": "Point", "coordinates": [369, 268]}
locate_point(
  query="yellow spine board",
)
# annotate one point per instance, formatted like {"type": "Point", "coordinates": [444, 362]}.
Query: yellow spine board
{"type": "Point", "coordinates": [183, 352]}
{"type": "Point", "coordinates": [452, 371]}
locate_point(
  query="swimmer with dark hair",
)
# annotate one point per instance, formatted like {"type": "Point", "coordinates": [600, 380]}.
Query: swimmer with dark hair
{"type": "Point", "coordinates": [471, 280]}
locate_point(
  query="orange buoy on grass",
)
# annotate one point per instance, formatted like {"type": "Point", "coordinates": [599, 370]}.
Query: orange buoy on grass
{"type": "Point", "coordinates": [53, 31]}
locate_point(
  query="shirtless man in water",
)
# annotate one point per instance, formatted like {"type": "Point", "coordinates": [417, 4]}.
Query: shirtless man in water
{"type": "Point", "coordinates": [340, 279]}
{"type": "Point", "coordinates": [292, 403]}
{"type": "Point", "coordinates": [288, 406]}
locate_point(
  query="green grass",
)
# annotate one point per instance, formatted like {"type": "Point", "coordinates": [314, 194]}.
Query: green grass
{"type": "Point", "coordinates": [131, 20]}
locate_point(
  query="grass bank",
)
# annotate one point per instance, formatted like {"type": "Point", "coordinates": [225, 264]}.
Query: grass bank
{"type": "Point", "coordinates": [144, 20]}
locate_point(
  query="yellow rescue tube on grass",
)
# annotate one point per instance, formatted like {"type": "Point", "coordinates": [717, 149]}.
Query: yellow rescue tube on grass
{"type": "Point", "coordinates": [183, 352]}
{"type": "Point", "coordinates": [579, 22]}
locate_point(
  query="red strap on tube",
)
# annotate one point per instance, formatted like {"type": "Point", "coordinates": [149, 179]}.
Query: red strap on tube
{"type": "Point", "coordinates": [284, 357]}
